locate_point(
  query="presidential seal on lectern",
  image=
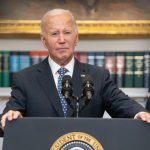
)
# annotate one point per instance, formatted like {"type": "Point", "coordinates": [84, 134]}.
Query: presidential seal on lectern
{"type": "Point", "coordinates": [76, 141]}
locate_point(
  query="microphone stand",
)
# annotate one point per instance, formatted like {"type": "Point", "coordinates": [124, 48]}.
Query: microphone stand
{"type": "Point", "coordinates": [77, 107]}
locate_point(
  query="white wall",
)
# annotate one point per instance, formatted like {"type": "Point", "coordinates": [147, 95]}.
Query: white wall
{"type": "Point", "coordinates": [83, 45]}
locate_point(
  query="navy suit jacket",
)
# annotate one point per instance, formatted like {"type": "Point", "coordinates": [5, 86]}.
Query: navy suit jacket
{"type": "Point", "coordinates": [34, 93]}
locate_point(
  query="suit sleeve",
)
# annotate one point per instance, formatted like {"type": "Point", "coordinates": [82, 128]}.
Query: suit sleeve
{"type": "Point", "coordinates": [18, 96]}
{"type": "Point", "coordinates": [148, 104]}
{"type": "Point", "coordinates": [116, 102]}
{"type": "Point", "coordinates": [148, 99]}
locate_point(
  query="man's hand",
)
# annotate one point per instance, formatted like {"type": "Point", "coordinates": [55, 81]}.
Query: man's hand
{"type": "Point", "coordinates": [144, 116]}
{"type": "Point", "coordinates": [10, 115]}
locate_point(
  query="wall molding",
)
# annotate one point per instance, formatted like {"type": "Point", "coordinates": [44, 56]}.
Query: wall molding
{"type": "Point", "coordinates": [87, 29]}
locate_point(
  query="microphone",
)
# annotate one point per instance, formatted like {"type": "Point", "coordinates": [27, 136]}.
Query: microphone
{"type": "Point", "coordinates": [88, 88]}
{"type": "Point", "coordinates": [67, 86]}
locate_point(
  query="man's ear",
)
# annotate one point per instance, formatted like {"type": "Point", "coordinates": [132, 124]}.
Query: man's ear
{"type": "Point", "coordinates": [43, 41]}
{"type": "Point", "coordinates": [76, 42]}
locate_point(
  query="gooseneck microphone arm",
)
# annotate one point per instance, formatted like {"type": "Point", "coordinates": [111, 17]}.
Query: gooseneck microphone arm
{"type": "Point", "coordinates": [87, 93]}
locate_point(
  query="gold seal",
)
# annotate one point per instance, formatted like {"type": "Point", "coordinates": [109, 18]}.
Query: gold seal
{"type": "Point", "coordinates": [76, 138]}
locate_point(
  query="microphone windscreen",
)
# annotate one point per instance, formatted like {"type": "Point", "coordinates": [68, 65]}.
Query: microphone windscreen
{"type": "Point", "coordinates": [87, 78]}
{"type": "Point", "coordinates": [66, 78]}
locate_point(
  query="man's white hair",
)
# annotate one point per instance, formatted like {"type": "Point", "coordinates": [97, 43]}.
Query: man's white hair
{"type": "Point", "coordinates": [54, 12]}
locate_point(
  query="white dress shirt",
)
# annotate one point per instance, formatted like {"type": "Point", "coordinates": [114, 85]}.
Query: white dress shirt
{"type": "Point", "coordinates": [55, 67]}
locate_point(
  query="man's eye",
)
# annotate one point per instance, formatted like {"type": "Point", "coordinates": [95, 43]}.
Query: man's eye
{"type": "Point", "coordinates": [67, 32]}
{"type": "Point", "coordinates": [54, 33]}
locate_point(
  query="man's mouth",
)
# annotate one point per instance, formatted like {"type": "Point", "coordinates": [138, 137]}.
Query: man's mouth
{"type": "Point", "coordinates": [62, 48]}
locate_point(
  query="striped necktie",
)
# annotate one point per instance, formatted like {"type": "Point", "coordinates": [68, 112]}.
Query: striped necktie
{"type": "Point", "coordinates": [62, 72]}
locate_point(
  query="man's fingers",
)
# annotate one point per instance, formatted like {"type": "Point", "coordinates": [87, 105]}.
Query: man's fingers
{"type": "Point", "coordinates": [13, 115]}
{"type": "Point", "coordinates": [10, 115]}
{"type": "Point", "coordinates": [144, 116]}
{"type": "Point", "coordinates": [16, 115]}
{"type": "Point", "coordinates": [3, 119]}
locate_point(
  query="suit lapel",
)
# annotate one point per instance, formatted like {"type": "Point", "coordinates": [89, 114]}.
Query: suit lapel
{"type": "Point", "coordinates": [46, 80]}
{"type": "Point", "coordinates": [79, 70]}
{"type": "Point", "coordinates": [77, 80]}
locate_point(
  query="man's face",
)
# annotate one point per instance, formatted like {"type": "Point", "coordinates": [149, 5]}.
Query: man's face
{"type": "Point", "coordinates": [60, 38]}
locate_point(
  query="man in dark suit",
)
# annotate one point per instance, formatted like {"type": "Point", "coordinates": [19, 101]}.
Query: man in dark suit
{"type": "Point", "coordinates": [35, 89]}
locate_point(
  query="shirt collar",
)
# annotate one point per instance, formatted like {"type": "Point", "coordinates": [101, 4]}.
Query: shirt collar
{"type": "Point", "coordinates": [55, 67]}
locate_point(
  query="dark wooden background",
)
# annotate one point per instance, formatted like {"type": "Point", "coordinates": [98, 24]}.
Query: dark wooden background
{"type": "Point", "coordinates": [83, 9]}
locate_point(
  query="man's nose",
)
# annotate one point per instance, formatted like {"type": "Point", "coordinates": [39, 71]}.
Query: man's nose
{"type": "Point", "coordinates": [61, 38]}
